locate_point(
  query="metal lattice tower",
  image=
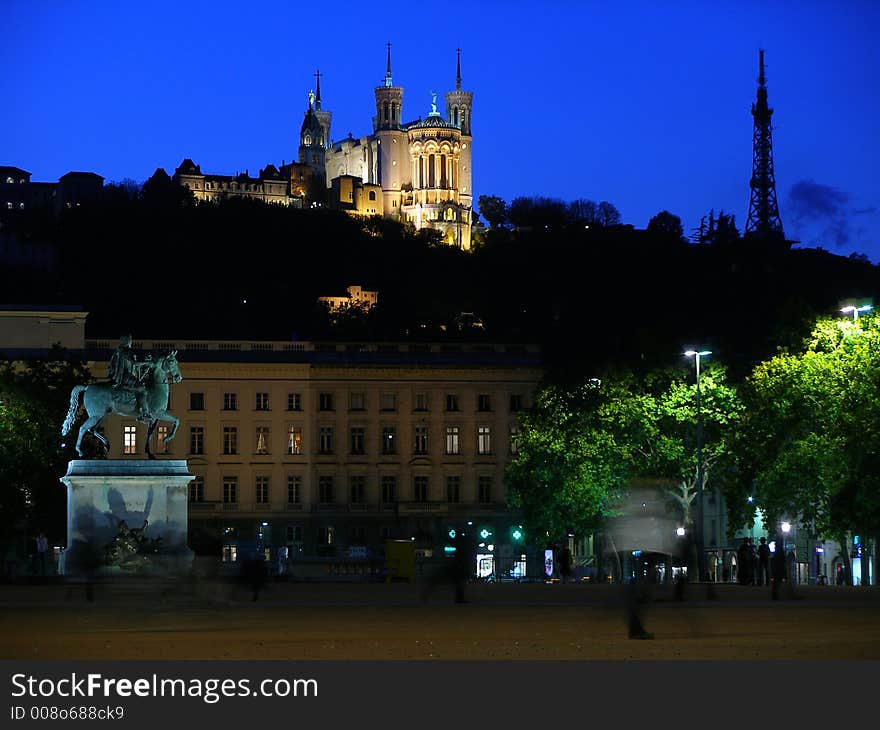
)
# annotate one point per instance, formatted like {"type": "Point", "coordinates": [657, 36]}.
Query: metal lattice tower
{"type": "Point", "coordinates": [763, 209]}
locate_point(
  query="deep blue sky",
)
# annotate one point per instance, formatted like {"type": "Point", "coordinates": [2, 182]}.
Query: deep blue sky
{"type": "Point", "coordinates": [644, 104]}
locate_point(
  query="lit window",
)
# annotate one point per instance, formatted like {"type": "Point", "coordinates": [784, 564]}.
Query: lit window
{"type": "Point", "coordinates": [452, 440]}
{"type": "Point", "coordinates": [484, 440]}
{"type": "Point", "coordinates": [294, 440]}
{"type": "Point", "coordinates": [129, 440]}
{"type": "Point", "coordinates": [262, 440]}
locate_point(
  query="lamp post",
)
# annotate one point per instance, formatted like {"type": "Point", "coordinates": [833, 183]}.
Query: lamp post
{"type": "Point", "coordinates": [856, 310]}
{"type": "Point", "coordinates": [701, 556]}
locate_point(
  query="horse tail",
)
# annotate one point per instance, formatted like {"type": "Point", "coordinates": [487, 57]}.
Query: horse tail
{"type": "Point", "coordinates": [74, 407]}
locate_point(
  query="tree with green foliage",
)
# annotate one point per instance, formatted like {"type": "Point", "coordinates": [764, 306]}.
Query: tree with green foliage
{"type": "Point", "coordinates": [666, 227]}
{"type": "Point", "coordinates": [34, 397]}
{"type": "Point", "coordinates": [810, 442]}
{"type": "Point", "coordinates": [493, 209]}
{"type": "Point", "coordinates": [581, 446]}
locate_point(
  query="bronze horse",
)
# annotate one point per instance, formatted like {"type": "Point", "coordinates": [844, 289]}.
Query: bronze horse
{"type": "Point", "coordinates": [101, 399]}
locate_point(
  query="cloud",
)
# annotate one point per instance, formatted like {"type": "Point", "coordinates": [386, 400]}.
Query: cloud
{"type": "Point", "coordinates": [824, 209]}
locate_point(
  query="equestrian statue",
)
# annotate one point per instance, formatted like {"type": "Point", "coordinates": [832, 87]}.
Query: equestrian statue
{"type": "Point", "coordinates": [135, 388]}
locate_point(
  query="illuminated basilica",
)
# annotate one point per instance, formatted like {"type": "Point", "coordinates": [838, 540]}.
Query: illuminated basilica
{"type": "Point", "coordinates": [417, 172]}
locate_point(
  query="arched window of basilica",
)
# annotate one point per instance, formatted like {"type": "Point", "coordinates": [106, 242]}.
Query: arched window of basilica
{"type": "Point", "coordinates": [450, 214]}
{"type": "Point", "coordinates": [372, 195]}
{"type": "Point", "coordinates": [307, 140]}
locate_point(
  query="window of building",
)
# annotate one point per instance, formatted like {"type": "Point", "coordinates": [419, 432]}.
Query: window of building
{"type": "Point", "coordinates": [514, 439]}
{"type": "Point", "coordinates": [389, 401]}
{"type": "Point", "coordinates": [421, 440]}
{"type": "Point", "coordinates": [358, 401]}
{"type": "Point", "coordinates": [451, 402]}
{"type": "Point", "coordinates": [230, 490]}
{"type": "Point", "coordinates": [197, 439]}
{"type": "Point", "coordinates": [197, 489]}
{"type": "Point", "coordinates": [230, 440]}
{"type": "Point", "coordinates": [359, 535]}
{"type": "Point", "coordinates": [230, 401]}
{"type": "Point", "coordinates": [452, 440]}
{"type": "Point", "coordinates": [325, 489]}
{"type": "Point", "coordinates": [230, 553]}
{"type": "Point", "coordinates": [294, 489]}
{"type": "Point", "coordinates": [325, 440]}
{"type": "Point", "coordinates": [484, 440]}
{"type": "Point", "coordinates": [453, 489]}
{"type": "Point", "coordinates": [389, 440]}
{"type": "Point", "coordinates": [484, 489]}
{"type": "Point", "coordinates": [129, 440]}
{"type": "Point", "coordinates": [358, 489]}
{"type": "Point", "coordinates": [261, 402]}
{"type": "Point", "coordinates": [294, 533]}
{"type": "Point", "coordinates": [262, 440]}
{"type": "Point", "coordinates": [325, 535]}
{"type": "Point", "coordinates": [420, 489]}
{"type": "Point", "coordinates": [484, 402]}
{"type": "Point", "coordinates": [516, 402]}
{"type": "Point", "coordinates": [294, 440]}
{"type": "Point", "coordinates": [389, 489]}
{"type": "Point", "coordinates": [325, 402]}
{"type": "Point", "coordinates": [197, 401]}
{"type": "Point", "coordinates": [294, 402]}
{"type": "Point", "coordinates": [387, 532]}
{"type": "Point", "coordinates": [261, 485]}
{"type": "Point", "coordinates": [358, 440]}
{"type": "Point", "coordinates": [421, 401]}
{"type": "Point", "coordinates": [162, 432]}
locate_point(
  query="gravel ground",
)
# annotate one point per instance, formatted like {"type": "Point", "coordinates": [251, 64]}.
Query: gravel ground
{"type": "Point", "coordinates": [155, 620]}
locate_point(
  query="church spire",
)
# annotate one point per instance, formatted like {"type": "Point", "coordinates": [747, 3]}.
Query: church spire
{"type": "Point", "coordinates": [388, 68]}
{"type": "Point", "coordinates": [317, 90]}
{"type": "Point", "coordinates": [458, 69]}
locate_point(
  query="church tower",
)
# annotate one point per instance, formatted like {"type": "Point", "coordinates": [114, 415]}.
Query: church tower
{"type": "Point", "coordinates": [393, 174]}
{"type": "Point", "coordinates": [458, 111]}
{"type": "Point", "coordinates": [312, 140]}
{"type": "Point", "coordinates": [324, 117]}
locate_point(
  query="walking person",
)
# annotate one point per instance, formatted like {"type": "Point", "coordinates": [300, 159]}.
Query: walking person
{"type": "Point", "coordinates": [763, 563]}
{"type": "Point", "coordinates": [42, 554]}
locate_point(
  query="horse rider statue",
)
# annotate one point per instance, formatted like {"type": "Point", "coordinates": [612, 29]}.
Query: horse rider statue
{"type": "Point", "coordinates": [127, 375]}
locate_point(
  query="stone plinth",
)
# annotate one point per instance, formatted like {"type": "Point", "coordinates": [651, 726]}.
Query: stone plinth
{"type": "Point", "coordinates": [101, 494]}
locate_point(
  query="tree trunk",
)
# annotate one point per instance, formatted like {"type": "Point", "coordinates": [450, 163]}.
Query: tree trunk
{"type": "Point", "coordinates": [847, 567]}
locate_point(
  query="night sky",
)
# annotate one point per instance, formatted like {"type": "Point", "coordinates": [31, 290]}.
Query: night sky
{"type": "Point", "coordinates": [646, 105]}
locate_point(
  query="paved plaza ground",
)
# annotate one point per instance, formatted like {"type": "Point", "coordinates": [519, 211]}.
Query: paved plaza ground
{"type": "Point", "coordinates": [155, 620]}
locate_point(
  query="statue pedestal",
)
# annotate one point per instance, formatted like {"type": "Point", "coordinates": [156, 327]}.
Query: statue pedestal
{"type": "Point", "coordinates": [104, 494]}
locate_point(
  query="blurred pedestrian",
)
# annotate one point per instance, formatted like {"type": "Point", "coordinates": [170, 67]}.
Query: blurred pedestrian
{"type": "Point", "coordinates": [742, 562]}
{"type": "Point", "coordinates": [763, 563]}
{"type": "Point", "coordinates": [42, 550]}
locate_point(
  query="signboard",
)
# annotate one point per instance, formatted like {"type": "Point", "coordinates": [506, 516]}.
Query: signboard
{"type": "Point", "coordinates": [548, 563]}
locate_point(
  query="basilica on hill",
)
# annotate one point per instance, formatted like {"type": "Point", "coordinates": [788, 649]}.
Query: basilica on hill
{"type": "Point", "coordinates": [416, 172]}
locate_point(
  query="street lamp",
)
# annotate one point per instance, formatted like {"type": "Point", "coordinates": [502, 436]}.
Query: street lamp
{"type": "Point", "coordinates": [856, 310]}
{"type": "Point", "coordinates": [701, 557]}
